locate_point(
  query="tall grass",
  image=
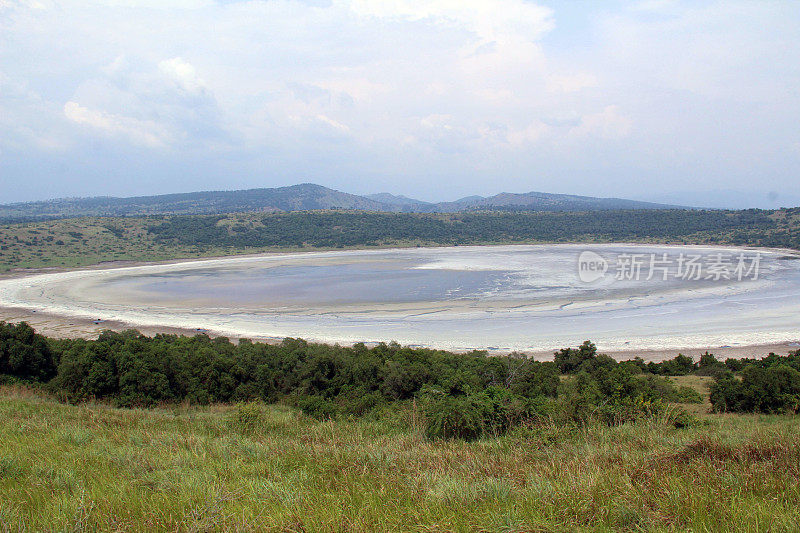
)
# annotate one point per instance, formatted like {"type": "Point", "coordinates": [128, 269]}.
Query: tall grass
{"type": "Point", "coordinates": [258, 467]}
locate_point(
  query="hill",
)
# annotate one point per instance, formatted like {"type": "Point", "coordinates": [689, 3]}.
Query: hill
{"type": "Point", "coordinates": [397, 199]}
{"type": "Point", "coordinates": [72, 242]}
{"type": "Point", "coordinates": [540, 201]}
{"type": "Point", "coordinates": [302, 197]}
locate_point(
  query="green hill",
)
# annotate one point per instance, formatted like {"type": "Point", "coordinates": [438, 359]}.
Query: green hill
{"type": "Point", "coordinates": [74, 242]}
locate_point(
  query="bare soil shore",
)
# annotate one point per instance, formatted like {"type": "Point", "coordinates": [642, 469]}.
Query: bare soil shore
{"type": "Point", "coordinates": [23, 272]}
{"type": "Point", "coordinates": [62, 327]}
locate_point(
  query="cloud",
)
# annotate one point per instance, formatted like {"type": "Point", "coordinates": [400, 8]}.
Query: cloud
{"type": "Point", "coordinates": [146, 133]}
{"type": "Point", "coordinates": [528, 135]}
{"type": "Point", "coordinates": [166, 104]}
{"type": "Point", "coordinates": [155, 4]}
{"type": "Point", "coordinates": [182, 73]}
{"type": "Point", "coordinates": [607, 124]}
{"type": "Point", "coordinates": [406, 95]}
{"type": "Point", "coordinates": [499, 20]}
{"type": "Point", "coordinates": [25, 119]}
{"type": "Point", "coordinates": [333, 125]}
{"type": "Point", "coordinates": [571, 83]}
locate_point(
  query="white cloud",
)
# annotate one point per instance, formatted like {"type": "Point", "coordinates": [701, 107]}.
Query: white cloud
{"type": "Point", "coordinates": [498, 20]}
{"type": "Point", "coordinates": [25, 120]}
{"type": "Point", "coordinates": [332, 125]}
{"type": "Point", "coordinates": [607, 124]}
{"type": "Point", "coordinates": [142, 132]}
{"type": "Point", "coordinates": [528, 135]}
{"type": "Point", "coordinates": [183, 73]}
{"type": "Point", "coordinates": [571, 83]}
{"type": "Point", "coordinates": [155, 4]}
{"type": "Point", "coordinates": [357, 87]}
{"type": "Point", "coordinates": [407, 89]}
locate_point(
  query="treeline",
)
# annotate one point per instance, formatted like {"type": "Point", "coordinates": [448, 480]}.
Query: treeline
{"type": "Point", "coordinates": [462, 395]}
{"type": "Point", "coordinates": [346, 229]}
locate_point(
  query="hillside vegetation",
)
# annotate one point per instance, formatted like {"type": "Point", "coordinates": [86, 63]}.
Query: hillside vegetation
{"type": "Point", "coordinates": [464, 395]}
{"type": "Point", "coordinates": [86, 241]}
{"type": "Point", "coordinates": [302, 197]}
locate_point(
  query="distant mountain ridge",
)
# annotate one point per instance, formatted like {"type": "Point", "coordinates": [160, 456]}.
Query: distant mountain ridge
{"type": "Point", "coordinates": [540, 201]}
{"type": "Point", "coordinates": [395, 199]}
{"type": "Point", "coordinates": [304, 197]}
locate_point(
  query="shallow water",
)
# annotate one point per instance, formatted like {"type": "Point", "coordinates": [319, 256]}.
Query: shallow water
{"type": "Point", "coordinates": [503, 297]}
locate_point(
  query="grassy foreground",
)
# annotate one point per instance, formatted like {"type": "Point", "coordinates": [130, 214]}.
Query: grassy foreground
{"type": "Point", "coordinates": [266, 467]}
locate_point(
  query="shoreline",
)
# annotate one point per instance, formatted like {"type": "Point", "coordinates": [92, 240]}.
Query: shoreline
{"type": "Point", "coordinates": [57, 325]}
{"type": "Point", "coordinates": [65, 327]}
{"type": "Point", "coordinates": [117, 264]}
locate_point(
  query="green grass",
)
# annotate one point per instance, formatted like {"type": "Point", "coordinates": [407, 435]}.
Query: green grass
{"type": "Point", "coordinates": [78, 242]}
{"type": "Point", "coordinates": [260, 467]}
{"type": "Point", "coordinates": [699, 383]}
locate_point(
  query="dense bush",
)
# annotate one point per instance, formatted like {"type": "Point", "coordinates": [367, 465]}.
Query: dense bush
{"type": "Point", "coordinates": [531, 378]}
{"type": "Point", "coordinates": [246, 418]}
{"type": "Point", "coordinates": [774, 389]}
{"type": "Point", "coordinates": [352, 228]}
{"type": "Point", "coordinates": [463, 395]}
{"type": "Point", "coordinates": [686, 395]}
{"type": "Point", "coordinates": [571, 360]}
{"type": "Point", "coordinates": [613, 394]}
{"type": "Point", "coordinates": [130, 369]}
{"type": "Point", "coordinates": [680, 365]}
{"type": "Point", "coordinates": [490, 412]}
{"type": "Point", "coordinates": [24, 354]}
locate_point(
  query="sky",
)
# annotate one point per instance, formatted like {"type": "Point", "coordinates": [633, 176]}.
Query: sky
{"type": "Point", "coordinates": [437, 99]}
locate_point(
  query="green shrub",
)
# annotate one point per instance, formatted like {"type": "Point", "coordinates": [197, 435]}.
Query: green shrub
{"type": "Point", "coordinates": [360, 403]}
{"type": "Point", "coordinates": [680, 365]}
{"type": "Point", "coordinates": [453, 417]}
{"type": "Point", "coordinates": [476, 395]}
{"type": "Point", "coordinates": [685, 394]}
{"type": "Point", "coordinates": [629, 409]}
{"type": "Point", "coordinates": [774, 389]}
{"type": "Point", "coordinates": [612, 395]}
{"type": "Point", "coordinates": [246, 418]}
{"type": "Point", "coordinates": [533, 379]}
{"type": "Point", "coordinates": [680, 418]}
{"type": "Point", "coordinates": [25, 354]}
{"type": "Point", "coordinates": [317, 407]}
{"type": "Point", "coordinates": [726, 394]}
{"type": "Point", "coordinates": [571, 360]}
{"type": "Point", "coordinates": [488, 413]}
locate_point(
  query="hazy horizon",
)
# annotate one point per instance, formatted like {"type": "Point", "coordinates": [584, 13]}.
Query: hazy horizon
{"type": "Point", "coordinates": [690, 103]}
{"type": "Point", "coordinates": [719, 199]}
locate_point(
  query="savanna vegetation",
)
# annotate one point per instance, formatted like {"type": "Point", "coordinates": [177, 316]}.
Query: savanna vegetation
{"type": "Point", "coordinates": [86, 241]}
{"type": "Point", "coordinates": [465, 396]}
{"type": "Point", "coordinates": [308, 437]}
{"type": "Point", "coordinates": [269, 467]}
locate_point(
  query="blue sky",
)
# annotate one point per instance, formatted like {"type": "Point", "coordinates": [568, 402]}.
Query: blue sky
{"type": "Point", "coordinates": [434, 99]}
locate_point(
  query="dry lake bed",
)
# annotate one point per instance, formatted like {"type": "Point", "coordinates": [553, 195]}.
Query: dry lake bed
{"type": "Point", "coordinates": [501, 298]}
